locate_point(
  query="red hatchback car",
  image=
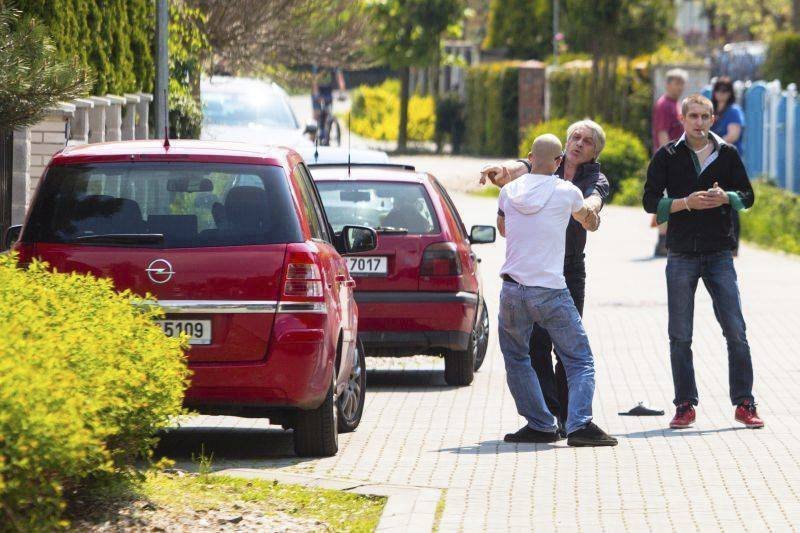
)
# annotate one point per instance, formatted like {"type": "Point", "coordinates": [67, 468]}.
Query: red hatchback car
{"type": "Point", "coordinates": [419, 291]}
{"type": "Point", "coordinates": [234, 243]}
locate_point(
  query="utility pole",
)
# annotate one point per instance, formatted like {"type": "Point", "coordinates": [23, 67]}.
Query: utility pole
{"type": "Point", "coordinates": [555, 32]}
{"type": "Point", "coordinates": [161, 96]}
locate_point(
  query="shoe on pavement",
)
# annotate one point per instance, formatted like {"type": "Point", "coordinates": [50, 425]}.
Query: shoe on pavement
{"type": "Point", "coordinates": [746, 414]}
{"type": "Point", "coordinates": [591, 435]}
{"type": "Point", "coordinates": [684, 416]}
{"type": "Point", "coordinates": [528, 434]}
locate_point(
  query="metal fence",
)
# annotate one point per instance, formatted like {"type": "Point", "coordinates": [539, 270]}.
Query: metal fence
{"type": "Point", "coordinates": [772, 131]}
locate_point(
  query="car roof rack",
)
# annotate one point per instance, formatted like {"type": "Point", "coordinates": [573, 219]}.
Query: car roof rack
{"type": "Point", "coordinates": [398, 166]}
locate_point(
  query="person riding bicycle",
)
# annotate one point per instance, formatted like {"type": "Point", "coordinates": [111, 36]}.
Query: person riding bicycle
{"type": "Point", "coordinates": [322, 88]}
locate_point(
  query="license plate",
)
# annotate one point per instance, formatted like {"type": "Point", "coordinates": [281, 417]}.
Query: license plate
{"type": "Point", "coordinates": [367, 266]}
{"type": "Point", "coordinates": [198, 331]}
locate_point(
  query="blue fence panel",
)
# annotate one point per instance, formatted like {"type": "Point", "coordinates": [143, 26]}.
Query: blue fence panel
{"type": "Point", "coordinates": [780, 172]}
{"type": "Point", "coordinates": [796, 186]}
{"type": "Point", "coordinates": [752, 141]}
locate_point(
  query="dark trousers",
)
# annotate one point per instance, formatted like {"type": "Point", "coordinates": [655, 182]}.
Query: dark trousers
{"type": "Point", "coordinates": [719, 276]}
{"type": "Point", "coordinates": [554, 382]}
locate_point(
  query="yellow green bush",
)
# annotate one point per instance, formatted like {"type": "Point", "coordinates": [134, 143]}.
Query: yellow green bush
{"type": "Point", "coordinates": [774, 219]}
{"type": "Point", "coordinates": [86, 380]}
{"type": "Point", "coordinates": [624, 157]}
{"type": "Point", "coordinates": [375, 113]}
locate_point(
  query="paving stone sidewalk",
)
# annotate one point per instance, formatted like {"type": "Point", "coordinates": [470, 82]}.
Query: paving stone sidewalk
{"type": "Point", "coordinates": [717, 475]}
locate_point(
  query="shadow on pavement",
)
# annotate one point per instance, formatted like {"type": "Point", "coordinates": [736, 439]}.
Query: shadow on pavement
{"type": "Point", "coordinates": [273, 446]}
{"type": "Point", "coordinates": [406, 379]}
{"type": "Point", "coordinates": [494, 447]}
{"type": "Point", "coordinates": [668, 432]}
{"type": "Point", "coordinates": [648, 259]}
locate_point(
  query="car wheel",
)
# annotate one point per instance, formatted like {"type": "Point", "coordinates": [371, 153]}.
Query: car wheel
{"type": "Point", "coordinates": [315, 431]}
{"type": "Point", "coordinates": [459, 366]}
{"type": "Point", "coordinates": [481, 334]}
{"type": "Point", "coordinates": [350, 402]}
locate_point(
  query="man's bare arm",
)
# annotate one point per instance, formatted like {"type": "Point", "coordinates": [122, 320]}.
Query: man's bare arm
{"type": "Point", "coordinates": [503, 173]}
{"type": "Point", "coordinates": [501, 225]}
{"type": "Point", "coordinates": [663, 137]}
{"type": "Point", "coordinates": [594, 202]}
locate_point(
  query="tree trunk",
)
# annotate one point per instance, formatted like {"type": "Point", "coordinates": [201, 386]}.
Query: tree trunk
{"type": "Point", "coordinates": [402, 134]}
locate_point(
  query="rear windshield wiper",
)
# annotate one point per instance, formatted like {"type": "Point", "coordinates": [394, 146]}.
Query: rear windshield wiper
{"type": "Point", "coordinates": [122, 238]}
{"type": "Point", "coordinates": [389, 229]}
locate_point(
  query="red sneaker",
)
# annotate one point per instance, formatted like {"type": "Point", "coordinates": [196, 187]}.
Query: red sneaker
{"type": "Point", "coordinates": [747, 415]}
{"type": "Point", "coordinates": [684, 416]}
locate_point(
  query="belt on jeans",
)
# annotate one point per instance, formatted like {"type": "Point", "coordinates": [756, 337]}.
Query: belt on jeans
{"type": "Point", "coordinates": [509, 279]}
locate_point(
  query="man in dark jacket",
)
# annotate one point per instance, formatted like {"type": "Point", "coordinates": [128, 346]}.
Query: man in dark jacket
{"type": "Point", "coordinates": [585, 141]}
{"type": "Point", "coordinates": [704, 179]}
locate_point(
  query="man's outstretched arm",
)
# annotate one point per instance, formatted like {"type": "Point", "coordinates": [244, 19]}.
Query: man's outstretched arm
{"type": "Point", "coordinates": [504, 172]}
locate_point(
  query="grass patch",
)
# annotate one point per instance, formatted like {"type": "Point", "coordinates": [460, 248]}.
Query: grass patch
{"type": "Point", "coordinates": [489, 191]}
{"type": "Point", "coordinates": [341, 511]}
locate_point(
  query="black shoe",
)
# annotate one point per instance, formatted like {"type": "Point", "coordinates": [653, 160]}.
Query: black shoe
{"type": "Point", "coordinates": [527, 434]}
{"type": "Point", "coordinates": [591, 435]}
{"type": "Point", "coordinates": [562, 431]}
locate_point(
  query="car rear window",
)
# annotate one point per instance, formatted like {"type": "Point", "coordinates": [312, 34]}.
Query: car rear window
{"type": "Point", "coordinates": [169, 205]}
{"type": "Point", "coordinates": [379, 205]}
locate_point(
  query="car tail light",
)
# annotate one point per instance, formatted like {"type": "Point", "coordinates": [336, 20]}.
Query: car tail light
{"type": "Point", "coordinates": [303, 277]}
{"type": "Point", "coordinates": [440, 259]}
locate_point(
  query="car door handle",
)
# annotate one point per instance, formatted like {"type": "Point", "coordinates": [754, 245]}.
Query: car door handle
{"type": "Point", "coordinates": [350, 283]}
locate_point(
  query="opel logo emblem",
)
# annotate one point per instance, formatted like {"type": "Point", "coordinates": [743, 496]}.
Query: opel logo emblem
{"type": "Point", "coordinates": [160, 271]}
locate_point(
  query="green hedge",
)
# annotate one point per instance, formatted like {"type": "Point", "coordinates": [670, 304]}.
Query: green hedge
{"type": "Point", "coordinates": [624, 157]}
{"type": "Point", "coordinates": [774, 219]}
{"type": "Point", "coordinates": [783, 58]}
{"type": "Point", "coordinates": [492, 122]}
{"type": "Point", "coordinates": [375, 113]}
{"type": "Point", "coordinates": [571, 97]}
{"type": "Point", "coordinates": [86, 380]}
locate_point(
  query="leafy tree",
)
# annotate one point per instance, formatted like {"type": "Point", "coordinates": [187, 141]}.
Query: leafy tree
{"type": "Point", "coordinates": [32, 76]}
{"type": "Point", "coordinates": [407, 34]}
{"type": "Point", "coordinates": [188, 49]}
{"type": "Point", "coordinates": [749, 19]}
{"type": "Point", "coordinates": [523, 27]}
{"type": "Point", "coordinates": [608, 29]}
{"type": "Point", "coordinates": [248, 34]}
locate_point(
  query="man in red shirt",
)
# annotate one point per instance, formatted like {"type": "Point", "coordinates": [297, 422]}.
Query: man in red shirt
{"type": "Point", "coordinates": [666, 117]}
{"type": "Point", "coordinates": [667, 127]}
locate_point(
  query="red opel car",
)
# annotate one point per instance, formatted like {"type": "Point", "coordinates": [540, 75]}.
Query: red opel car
{"type": "Point", "coordinates": [234, 243]}
{"type": "Point", "coordinates": [419, 291]}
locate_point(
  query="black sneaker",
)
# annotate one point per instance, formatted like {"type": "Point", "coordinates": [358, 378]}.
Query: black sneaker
{"type": "Point", "coordinates": [528, 434]}
{"type": "Point", "coordinates": [591, 435]}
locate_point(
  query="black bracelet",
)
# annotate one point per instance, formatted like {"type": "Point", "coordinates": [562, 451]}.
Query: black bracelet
{"type": "Point", "coordinates": [526, 163]}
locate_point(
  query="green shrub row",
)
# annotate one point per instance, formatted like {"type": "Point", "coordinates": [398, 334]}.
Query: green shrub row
{"type": "Point", "coordinates": [624, 158]}
{"type": "Point", "coordinates": [375, 113]}
{"type": "Point", "coordinates": [774, 219]}
{"type": "Point", "coordinates": [492, 122]}
{"type": "Point", "coordinates": [86, 380]}
{"type": "Point", "coordinates": [113, 38]}
{"type": "Point", "coordinates": [783, 58]}
{"type": "Point", "coordinates": [630, 108]}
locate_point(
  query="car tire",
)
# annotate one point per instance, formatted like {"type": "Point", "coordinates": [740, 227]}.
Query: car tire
{"type": "Point", "coordinates": [315, 431]}
{"type": "Point", "coordinates": [459, 366]}
{"type": "Point", "coordinates": [350, 403]}
{"type": "Point", "coordinates": [481, 333]}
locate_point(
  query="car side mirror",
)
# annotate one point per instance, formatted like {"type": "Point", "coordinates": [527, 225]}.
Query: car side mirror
{"type": "Point", "coordinates": [311, 129]}
{"type": "Point", "coordinates": [11, 236]}
{"type": "Point", "coordinates": [482, 234]}
{"type": "Point", "coordinates": [357, 239]}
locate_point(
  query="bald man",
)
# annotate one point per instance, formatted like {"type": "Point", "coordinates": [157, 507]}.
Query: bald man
{"type": "Point", "coordinates": [533, 214]}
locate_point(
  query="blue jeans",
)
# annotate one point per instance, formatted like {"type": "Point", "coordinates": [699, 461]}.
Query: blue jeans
{"type": "Point", "coordinates": [553, 310]}
{"type": "Point", "coordinates": [719, 276]}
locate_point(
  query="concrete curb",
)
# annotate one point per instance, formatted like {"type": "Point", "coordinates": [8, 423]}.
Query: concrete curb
{"type": "Point", "coordinates": [407, 508]}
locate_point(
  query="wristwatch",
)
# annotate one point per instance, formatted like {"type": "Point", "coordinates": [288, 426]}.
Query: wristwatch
{"type": "Point", "coordinates": [526, 163]}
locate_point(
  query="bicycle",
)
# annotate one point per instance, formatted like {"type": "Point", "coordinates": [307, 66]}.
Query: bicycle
{"type": "Point", "coordinates": [329, 132]}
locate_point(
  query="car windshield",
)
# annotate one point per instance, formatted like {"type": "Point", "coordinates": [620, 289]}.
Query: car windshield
{"type": "Point", "coordinates": [256, 104]}
{"type": "Point", "coordinates": [164, 205]}
{"type": "Point", "coordinates": [379, 205]}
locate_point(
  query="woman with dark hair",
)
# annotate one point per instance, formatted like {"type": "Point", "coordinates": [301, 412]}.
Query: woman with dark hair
{"type": "Point", "coordinates": [729, 121]}
{"type": "Point", "coordinates": [728, 124]}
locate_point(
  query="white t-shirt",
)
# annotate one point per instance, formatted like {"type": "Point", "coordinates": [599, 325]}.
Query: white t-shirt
{"type": "Point", "coordinates": [537, 210]}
